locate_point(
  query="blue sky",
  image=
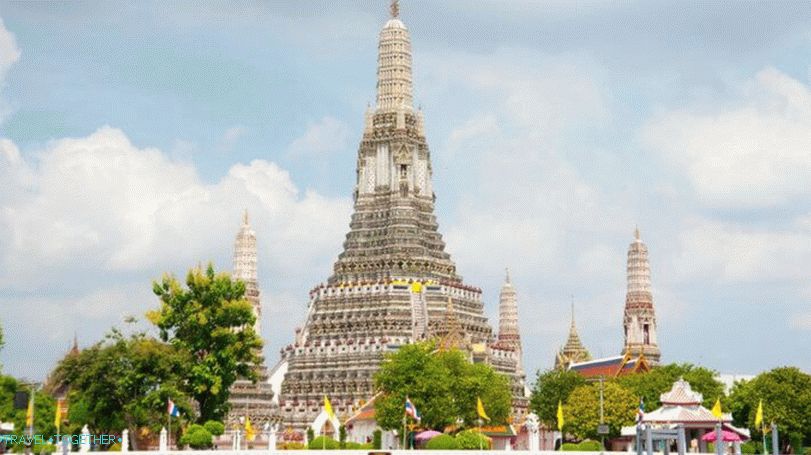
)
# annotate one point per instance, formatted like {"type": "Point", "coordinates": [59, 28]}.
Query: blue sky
{"type": "Point", "coordinates": [132, 135]}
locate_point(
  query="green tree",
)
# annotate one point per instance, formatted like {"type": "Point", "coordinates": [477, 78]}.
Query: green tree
{"type": "Point", "coordinates": [44, 408]}
{"type": "Point", "coordinates": [786, 395]}
{"type": "Point", "coordinates": [553, 387]}
{"type": "Point", "coordinates": [214, 427]}
{"type": "Point", "coordinates": [197, 437]}
{"type": "Point", "coordinates": [582, 410]}
{"type": "Point", "coordinates": [443, 386]}
{"type": "Point", "coordinates": [210, 319]}
{"type": "Point", "coordinates": [123, 383]}
{"type": "Point", "coordinates": [660, 379]}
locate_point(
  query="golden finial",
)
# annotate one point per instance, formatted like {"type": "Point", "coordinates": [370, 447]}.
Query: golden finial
{"type": "Point", "coordinates": [395, 9]}
{"type": "Point", "coordinates": [636, 232]}
{"type": "Point", "coordinates": [245, 217]}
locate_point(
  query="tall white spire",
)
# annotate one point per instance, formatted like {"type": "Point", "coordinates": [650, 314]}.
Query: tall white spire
{"type": "Point", "coordinates": [509, 334]}
{"type": "Point", "coordinates": [639, 321]}
{"type": "Point", "coordinates": [245, 267]}
{"type": "Point", "coordinates": [394, 82]}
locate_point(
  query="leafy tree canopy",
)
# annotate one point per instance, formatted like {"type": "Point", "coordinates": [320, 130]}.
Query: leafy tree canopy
{"type": "Point", "coordinates": [44, 407]}
{"type": "Point", "coordinates": [210, 319]}
{"type": "Point", "coordinates": [123, 382]}
{"type": "Point", "coordinates": [443, 386]}
{"type": "Point", "coordinates": [582, 410]}
{"type": "Point", "coordinates": [660, 379]}
{"type": "Point", "coordinates": [552, 387]}
{"type": "Point", "coordinates": [786, 395]}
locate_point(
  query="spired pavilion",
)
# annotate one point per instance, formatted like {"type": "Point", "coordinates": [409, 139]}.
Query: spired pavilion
{"type": "Point", "coordinates": [394, 283]}
{"type": "Point", "coordinates": [682, 406]}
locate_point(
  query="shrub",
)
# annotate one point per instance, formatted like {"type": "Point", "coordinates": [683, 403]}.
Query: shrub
{"type": "Point", "coordinates": [115, 447]}
{"type": "Point", "coordinates": [570, 447]}
{"type": "Point", "coordinates": [750, 448]}
{"type": "Point", "coordinates": [197, 437]}
{"type": "Point", "coordinates": [589, 446]}
{"type": "Point", "coordinates": [472, 440]}
{"type": "Point", "coordinates": [214, 427]}
{"type": "Point", "coordinates": [323, 442]}
{"type": "Point", "coordinates": [310, 434]}
{"type": "Point", "coordinates": [442, 442]}
{"type": "Point", "coordinates": [377, 439]}
{"type": "Point", "coordinates": [808, 451]}
{"type": "Point", "coordinates": [291, 445]}
{"type": "Point", "coordinates": [342, 437]}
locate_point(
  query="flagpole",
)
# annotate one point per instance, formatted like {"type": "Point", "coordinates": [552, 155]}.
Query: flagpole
{"type": "Point", "coordinates": [405, 419]}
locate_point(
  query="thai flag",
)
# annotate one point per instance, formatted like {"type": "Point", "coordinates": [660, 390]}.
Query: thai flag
{"type": "Point", "coordinates": [641, 412]}
{"type": "Point", "coordinates": [411, 410]}
{"type": "Point", "coordinates": [173, 410]}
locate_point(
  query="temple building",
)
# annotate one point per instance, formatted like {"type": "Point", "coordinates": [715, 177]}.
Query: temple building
{"type": "Point", "coordinates": [394, 283]}
{"type": "Point", "coordinates": [682, 406]}
{"type": "Point", "coordinates": [250, 399]}
{"type": "Point", "coordinates": [640, 317]}
{"type": "Point", "coordinates": [640, 350]}
{"type": "Point", "coordinates": [573, 351]}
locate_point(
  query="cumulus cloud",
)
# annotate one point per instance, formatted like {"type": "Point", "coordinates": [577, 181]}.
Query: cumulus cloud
{"type": "Point", "coordinates": [326, 136]}
{"type": "Point", "coordinates": [90, 219]}
{"type": "Point", "coordinates": [755, 154]}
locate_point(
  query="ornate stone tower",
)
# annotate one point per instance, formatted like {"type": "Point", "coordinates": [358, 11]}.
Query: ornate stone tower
{"type": "Point", "coordinates": [640, 317]}
{"type": "Point", "coordinates": [573, 351]}
{"type": "Point", "coordinates": [254, 400]}
{"type": "Point", "coordinates": [392, 282]}
{"type": "Point", "coordinates": [509, 336]}
{"type": "Point", "coordinates": [245, 268]}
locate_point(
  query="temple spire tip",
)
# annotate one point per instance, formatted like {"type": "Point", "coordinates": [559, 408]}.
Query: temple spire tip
{"type": "Point", "coordinates": [394, 9]}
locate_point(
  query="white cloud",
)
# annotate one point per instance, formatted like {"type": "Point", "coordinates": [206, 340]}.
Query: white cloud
{"type": "Point", "coordinates": [9, 54]}
{"type": "Point", "coordinates": [756, 154]}
{"type": "Point", "coordinates": [326, 136]}
{"type": "Point", "coordinates": [100, 203]}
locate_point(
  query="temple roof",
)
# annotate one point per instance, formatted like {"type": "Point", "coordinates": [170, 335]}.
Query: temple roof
{"type": "Point", "coordinates": [681, 394]}
{"type": "Point", "coordinates": [610, 366]}
{"type": "Point", "coordinates": [573, 351]}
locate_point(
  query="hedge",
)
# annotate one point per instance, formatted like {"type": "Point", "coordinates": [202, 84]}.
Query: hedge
{"type": "Point", "coordinates": [323, 442]}
{"type": "Point", "coordinates": [442, 442]}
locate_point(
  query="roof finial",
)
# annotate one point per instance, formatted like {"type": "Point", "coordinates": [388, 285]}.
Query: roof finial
{"type": "Point", "coordinates": [395, 9]}
{"type": "Point", "coordinates": [245, 217]}
{"type": "Point", "coordinates": [507, 269]}
{"type": "Point", "coordinates": [636, 232]}
{"type": "Point", "coordinates": [572, 297]}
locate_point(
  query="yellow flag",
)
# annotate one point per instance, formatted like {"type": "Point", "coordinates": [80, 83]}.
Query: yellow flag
{"type": "Point", "coordinates": [250, 433]}
{"type": "Point", "coordinates": [560, 416]}
{"type": "Point", "coordinates": [58, 414]}
{"type": "Point", "coordinates": [759, 414]}
{"type": "Point", "coordinates": [716, 410]}
{"type": "Point", "coordinates": [480, 409]}
{"type": "Point", "coordinates": [328, 408]}
{"type": "Point", "coordinates": [29, 414]}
